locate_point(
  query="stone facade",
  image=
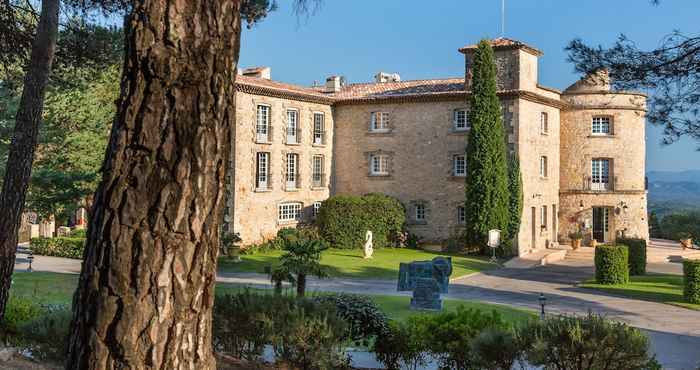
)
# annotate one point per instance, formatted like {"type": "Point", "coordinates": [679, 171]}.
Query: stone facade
{"type": "Point", "coordinates": [403, 138]}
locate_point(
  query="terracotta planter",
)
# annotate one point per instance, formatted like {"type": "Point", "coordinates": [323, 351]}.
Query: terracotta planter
{"type": "Point", "coordinates": [687, 243]}
{"type": "Point", "coordinates": [575, 244]}
{"type": "Point", "coordinates": [594, 243]}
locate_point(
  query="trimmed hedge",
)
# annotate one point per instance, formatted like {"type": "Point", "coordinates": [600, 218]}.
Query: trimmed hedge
{"type": "Point", "coordinates": [691, 280]}
{"type": "Point", "coordinates": [67, 247]}
{"type": "Point", "coordinates": [612, 264]}
{"type": "Point", "coordinates": [343, 220]}
{"type": "Point", "coordinates": [637, 254]}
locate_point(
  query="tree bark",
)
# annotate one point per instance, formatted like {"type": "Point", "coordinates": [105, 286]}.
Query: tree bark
{"type": "Point", "coordinates": [146, 289]}
{"type": "Point", "coordinates": [19, 162]}
{"type": "Point", "coordinates": [301, 285]}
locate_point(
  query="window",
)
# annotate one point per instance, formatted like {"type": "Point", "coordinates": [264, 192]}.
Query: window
{"type": "Point", "coordinates": [379, 165]}
{"type": "Point", "coordinates": [544, 123]}
{"type": "Point", "coordinates": [461, 120]}
{"type": "Point", "coordinates": [316, 208]}
{"type": "Point", "coordinates": [262, 171]}
{"type": "Point", "coordinates": [420, 212]}
{"type": "Point", "coordinates": [459, 165]}
{"type": "Point", "coordinates": [379, 122]}
{"type": "Point", "coordinates": [600, 174]}
{"type": "Point", "coordinates": [543, 217]}
{"type": "Point", "coordinates": [317, 174]}
{"type": "Point", "coordinates": [601, 126]}
{"type": "Point", "coordinates": [319, 133]}
{"type": "Point", "coordinates": [292, 127]}
{"type": "Point", "coordinates": [543, 166]}
{"type": "Point", "coordinates": [461, 215]}
{"type": "Point", "coordinates": [262, 125]}
{"type": "Point", "coordinates": [292, 173]}
{"type": "Point", "coordinates": [289, 211]}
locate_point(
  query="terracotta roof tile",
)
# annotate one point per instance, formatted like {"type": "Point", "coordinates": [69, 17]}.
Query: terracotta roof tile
{"type": "Point", "coordinates": [403, 88]}
{"type": "Point", "coordinates": [279, 86]}
{"type": "Point", "coordinates": [505, 43]}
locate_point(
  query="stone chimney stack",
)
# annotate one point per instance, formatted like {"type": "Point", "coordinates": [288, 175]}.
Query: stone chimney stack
{"type": "Point", "coordinates": [333, 84]}
{"type": "Point", "coordinates": [258, 72]}
{"type": "Point", "coordinates": [382, 77]}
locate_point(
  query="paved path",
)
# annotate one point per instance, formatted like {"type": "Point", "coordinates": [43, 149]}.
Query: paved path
{"type": "Point", "coordinates": [674, 331]}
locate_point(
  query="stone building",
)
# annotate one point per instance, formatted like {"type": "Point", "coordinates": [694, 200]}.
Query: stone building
{"type": "Point", "coordinates": [581, 151]}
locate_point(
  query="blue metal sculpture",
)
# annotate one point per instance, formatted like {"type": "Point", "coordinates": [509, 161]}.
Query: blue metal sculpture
{"type": "Point", "coordinates": [427, 279]}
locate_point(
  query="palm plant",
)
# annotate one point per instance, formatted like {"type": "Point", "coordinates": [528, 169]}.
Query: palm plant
{"type": "Point", "coordinates": [302, 258]}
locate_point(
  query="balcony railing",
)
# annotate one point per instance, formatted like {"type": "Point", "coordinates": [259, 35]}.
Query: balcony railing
{"type": "Point", "coordinates": [293, 136]}
{"type": "Point", "coordinates": [293, 181]}
{"type": "Point", "coordinates": [263, 133]}
{"type": "Point", "coordinates": [318, 180]}
{"type": "Point", "coordinates": [590, 185]}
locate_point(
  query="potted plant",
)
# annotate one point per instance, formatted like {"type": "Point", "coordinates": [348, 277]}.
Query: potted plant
{"type": "Point", "coordinates": [686, 240]}
{"type": "Point", "coordinates": [229, 244]}
{"type": "Point", "coordinates": [576, 238]}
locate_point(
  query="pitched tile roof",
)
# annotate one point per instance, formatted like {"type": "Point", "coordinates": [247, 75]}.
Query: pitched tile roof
{"type": "Point", "coordinates": [378, 90]}
{"type": "Point", "coordinates": [504, 43]}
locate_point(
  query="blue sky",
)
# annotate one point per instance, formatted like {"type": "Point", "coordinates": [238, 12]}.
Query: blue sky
{"type": "Point", "coordinates": [357, 38]}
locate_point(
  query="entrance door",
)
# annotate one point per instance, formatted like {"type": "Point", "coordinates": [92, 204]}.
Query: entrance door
{"type": "Point", "coordinates": [600, 224]}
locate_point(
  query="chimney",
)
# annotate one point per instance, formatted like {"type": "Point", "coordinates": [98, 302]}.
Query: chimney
{"type": "Point", "coordinates": [387, 77]}
{"type": "Point", "coordinates": [258, 72]}
{"type": "Point", "coordinates": [333, 84]}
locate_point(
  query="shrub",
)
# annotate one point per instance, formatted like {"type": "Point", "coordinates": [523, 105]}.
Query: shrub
{"type": "Point", "coordinates": [401, 345]}
{"type": "Point", "coordinates": [637, 254]}
{"type": "Point", "coordinates": [611, 264]}
{"type": "Point", "coordinates": [48, 334]}
{"type": "Point", "coordinates": [448, 336]}
{"type": "Point", "coordinates": [242, 326]}
{"type": "Point", "coordinates": [590, 342]}
{"type": "Point", "coordinates": [364, 319]}
{"type": "Point", "coordinates": [18, 311]}
{"type": "Point", "coordinates": [310, 340]}
{"type": "Point", "coordinates": [495, 348]}
{"type": "Point", "coordinates": [343, 220]}
{"type": "Point", "coordinates": [691, 280]}
{"type": "Point", "coordinates": [78, 233]}
{"type": "Point", "coordinates": [68, 247]}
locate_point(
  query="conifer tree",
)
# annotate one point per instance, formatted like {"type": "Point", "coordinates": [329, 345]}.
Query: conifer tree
{"type": "Point", "coordinates": [515, 188]}
{"type": "Point", "coordinates": [487, 195]}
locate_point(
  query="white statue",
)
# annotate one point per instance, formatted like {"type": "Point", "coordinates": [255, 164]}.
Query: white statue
{"type": "Point", "coordinates": [369, 250]}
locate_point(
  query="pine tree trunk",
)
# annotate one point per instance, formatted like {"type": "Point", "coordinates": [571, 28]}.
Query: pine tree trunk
{"type": "Point", "coordinates": [301, 285]}
{"type": "Point", "coordinates": [146, 290]}
{"type": "Point", "coordinates": [24, 140]}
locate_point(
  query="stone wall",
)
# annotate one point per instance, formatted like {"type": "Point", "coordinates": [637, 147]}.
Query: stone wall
{"type": "Point", "coordinates": [626, 198]}
{"type": "Point", "coordinates": [421, 145]}
{"type": "Point", "coordinates": [254, 213]}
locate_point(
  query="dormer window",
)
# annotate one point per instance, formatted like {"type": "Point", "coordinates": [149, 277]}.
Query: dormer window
{"type": "Point", "coordinates": [379, 122]}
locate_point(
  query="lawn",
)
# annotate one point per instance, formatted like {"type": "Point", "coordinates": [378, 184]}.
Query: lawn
{"type": "Point", "coordinates": [349, 263]}
{"type": "Point", "coordinates": [652, 287]}
{"type": "Point", "coordinates": [54, 288]}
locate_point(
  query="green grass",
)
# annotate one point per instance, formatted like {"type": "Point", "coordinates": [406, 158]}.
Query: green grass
{"type": "Point", "coordinates": [348, 263]}
{"type": "Point", "coordinates": [55, 288]}
{"type": "Point", "coordinates": [652, 287]}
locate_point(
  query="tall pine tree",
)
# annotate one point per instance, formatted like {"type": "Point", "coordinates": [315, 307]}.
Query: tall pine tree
{"type": "Point", "coordinates": [487, 195]}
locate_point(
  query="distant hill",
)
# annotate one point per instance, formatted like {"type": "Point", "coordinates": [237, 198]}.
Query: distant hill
{"type": "Point", "coordinates": [671, 192]}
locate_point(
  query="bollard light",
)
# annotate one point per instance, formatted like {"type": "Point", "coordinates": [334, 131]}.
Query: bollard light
{"type": "Point", "coordinates": [543, 302]}
{"type": "Point", "coordinates": [30, 258]}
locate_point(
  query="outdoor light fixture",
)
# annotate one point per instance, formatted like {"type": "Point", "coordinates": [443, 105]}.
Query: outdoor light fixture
{"type": "Point", "coordinates": [580, 206]}
{"type": "Point", "coordinates": [30, 258]}
{"type": "Point", "coordinates": [543, 301]}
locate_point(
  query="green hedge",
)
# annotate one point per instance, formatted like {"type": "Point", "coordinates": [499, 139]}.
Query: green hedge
{"type": "Point", "coordinates": [637, 254]}
{"type": "Point", "coordinates": [343, 220]}
{"type": "Point", "coordinates": [612, 264]}
{"type": "Point", "coordinates": [68, 247]}
{"type": "Point", "coordinates": [691, 280]}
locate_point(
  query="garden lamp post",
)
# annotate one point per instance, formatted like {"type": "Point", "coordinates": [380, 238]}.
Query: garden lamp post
{"type": "Point", "coordinates": [30, 258]}
{"type": "Point", "coordinates": [543, 302]}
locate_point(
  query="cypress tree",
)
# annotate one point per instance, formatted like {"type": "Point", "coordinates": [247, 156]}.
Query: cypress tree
{"type": "Point", "coordinates": [515, 188]}
{"type": "Point", "coordinates": [487, 197]}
